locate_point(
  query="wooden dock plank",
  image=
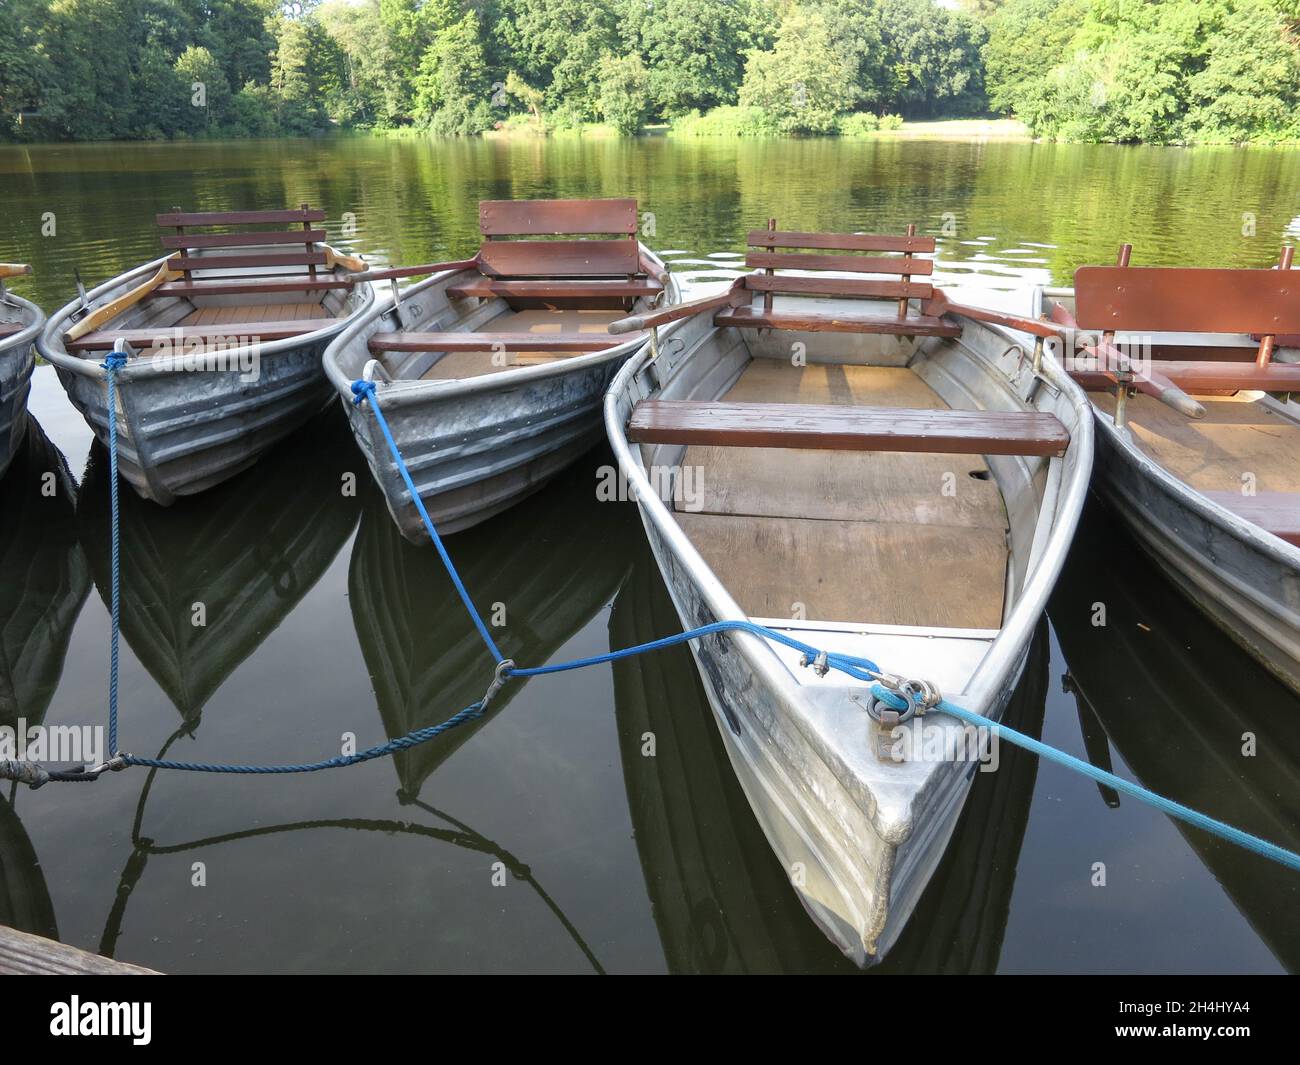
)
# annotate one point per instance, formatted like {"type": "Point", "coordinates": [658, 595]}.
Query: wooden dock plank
{"type": "Point", "coordinates": [24, 954]}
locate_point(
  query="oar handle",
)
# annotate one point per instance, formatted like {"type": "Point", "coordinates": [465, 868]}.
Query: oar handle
{"type": "Point", "coordinates": [639, 322]}
{"type": "Point", "coordinates": [414, 271]}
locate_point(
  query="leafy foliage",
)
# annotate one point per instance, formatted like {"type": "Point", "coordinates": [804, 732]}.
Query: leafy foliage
{"type": "Point", "coordinates": [1160, 71]}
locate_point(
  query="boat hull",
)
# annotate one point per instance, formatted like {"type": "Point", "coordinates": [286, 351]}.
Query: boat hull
{"type": "Point", "coordinates": [473, 456]}
{"type": "Point", "coordinates": [179, 432]}
{"type": "Point", "coordinates": [720, 901]}
{"type": "Point", "coordinates": [859, 837]}
{"type": "Point", "coordinates": [475, 446]}
{"type": "Point", "coordinates": [17, 360]}
{"type": "Point", "coordinates": [1244, 579]}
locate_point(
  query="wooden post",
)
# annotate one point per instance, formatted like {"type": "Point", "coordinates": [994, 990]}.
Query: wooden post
{"type": "Point", "coordinates": [180, 232]}
{"type": "Point", "coordinates": [1122, 376]}
{"type": "Point", "coordinates": [902, 303]}
{"type": "Point", "coordinates": [306, 225]}
{"type": "Point", "coordinates": [767, 296]}
{"type": "Point", "coordinates": [1266, 342]}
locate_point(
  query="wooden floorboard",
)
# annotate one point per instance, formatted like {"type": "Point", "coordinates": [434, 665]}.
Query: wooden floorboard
{"type": "Point", "coordinates": [456, 365]}
{"type": "Point", "coordinates": [884, 486]}
{"type": "Point", "coordinates": [854, 537]}
{"type": "Point", "coordinates": [855, 571]}
{"type": "Point", "coordinates": [1236, 437]}
{"type": "Point", "coordinates": [259, 312]}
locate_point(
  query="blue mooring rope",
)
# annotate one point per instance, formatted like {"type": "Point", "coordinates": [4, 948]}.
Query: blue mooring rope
{"type": "Point", "coordinates": [859, 668]}
{"type": "Point", "coordinates": [1252, 843]}
{"type": "Point", "coordinates": [114, 362]}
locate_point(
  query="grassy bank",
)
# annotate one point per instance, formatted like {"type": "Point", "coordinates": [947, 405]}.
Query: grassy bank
{"type": "Point", "coordinates": [1007, 129]}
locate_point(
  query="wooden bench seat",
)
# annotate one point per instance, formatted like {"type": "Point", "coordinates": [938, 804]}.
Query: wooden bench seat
{"type": "Point", "coordinates": [488, 288]}
{"type": "Point", "coordinates": [493, 341]}
{"type": "Point", "coordinates": [8, 329]}
{"type": "Point", "coordinates": [913, 325]}
{"type": "Point", "coordinates": [1274, 512]}
{"type": "Point", "coordinates": [841, 428]}
{"type": "Point", "coordinates": [1209, 376]}
{"type": "Point", "coordinates": [217, 286]}
{"type": "Point", "coordinates": [103, 339]}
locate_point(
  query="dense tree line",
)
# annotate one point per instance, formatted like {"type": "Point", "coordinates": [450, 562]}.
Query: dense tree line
{"type": "Point", "coordinates": [1079, 69]}
{"type": "Point", "coordinates": [1176, 71]}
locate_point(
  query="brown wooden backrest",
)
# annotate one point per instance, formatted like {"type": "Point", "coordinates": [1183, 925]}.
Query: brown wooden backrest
{"type": "Point", "coordinates": [1176, 300]}
{"type": "Point", "coordinates": [305, 235]}
{"type": "Point", "coordinates": [615, 256]}
{"type": "Point", "coordinates": [1263, 303]}
{"type": "Point", "coordinates": [764, 255]}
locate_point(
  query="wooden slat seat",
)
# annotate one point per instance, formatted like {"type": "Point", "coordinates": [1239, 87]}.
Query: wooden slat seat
{"type": "Point", "coordinates": [202, 286]}
{"type": "Point", "coordinates": [273, 240]}
{"type": "Point", "coordinates": [103, 339]}
{"type": "Point", "coordinates": [847, 257]}
{"type": "Point", "coordinates": [912, 325]}
{"type": "Point", "coordinates": [10, 328]}
{"type": "Point", "coordinates": [841, 428]}
{"type": "Point", "coordinates": [1274, 512]}
{"type": "Point", "coordinates": [488, 288]}
{"type": "Point", "coordinates": [831, 285]}
{"type": "Point", "coordinates": [544, 342]}
{"type": "Point", "coordinates": [254, 261]}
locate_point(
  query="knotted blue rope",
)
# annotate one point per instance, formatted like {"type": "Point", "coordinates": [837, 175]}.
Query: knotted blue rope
{"type": "Point", "coordinates": [402, 743]}
{"type": "Point", "coordinates": [1186, 814]}
{"type": "Point", "coordinates": [115, 360]}
{"type": "Point", "coordinates": [363, 390]}
{"type": "Point", "coordinates": [860, 668]}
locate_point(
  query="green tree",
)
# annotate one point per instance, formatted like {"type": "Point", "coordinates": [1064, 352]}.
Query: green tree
{"type": "Point", "coordinates": [206, 93]}
{"type": "Point", "coordinates": [932, 61]}
{"type": "Point", "coordinates": [451, 89]}
{"type": "Point", "coordinates": [624, 92]}
{"type": "Point", "coordinates": [805, 82]}
{"type": "Point", "coordinates": [557, 45]}
{"type": "Point", "coordinates": [25, 67]}
{"type": "Point", "coordinates": [694, 49]}
{"type": "Point", "coordinates": [531, 98]}
{"type": "Point", "coordinates": [305, 63]}
{"type": "Point", "coordinates": [1010, 63]}
{"type": "Point", "coordinates": [1250, 86]}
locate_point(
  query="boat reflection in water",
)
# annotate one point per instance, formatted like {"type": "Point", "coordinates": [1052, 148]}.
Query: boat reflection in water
{"type": "Point", "coordinates": [722, 901]}
{"type": "Point", "coordinates": [550, 563]}
{"type": "Point", "coordinates": [248, 550]}
{"type": "Point", "coordinates": [39, 605]}
{"type": "Point", "coordinates": [1179, 703]}
{"type": "Point", "coordinates": [47, 576]}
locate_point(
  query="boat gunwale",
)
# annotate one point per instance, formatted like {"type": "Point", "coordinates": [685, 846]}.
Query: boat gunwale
{"type": "Point", "coordinates": [1004, 651]}
{"type": "Point", "coordinates": [27, 336]}
{"type": "Point", "coordinates": [404, 393]}
{"type": "Point", "coordinates": [51, 347]}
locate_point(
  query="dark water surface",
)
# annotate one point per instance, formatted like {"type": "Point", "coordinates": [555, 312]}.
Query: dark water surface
{"type": "Point", "coordinates": [321, 621]}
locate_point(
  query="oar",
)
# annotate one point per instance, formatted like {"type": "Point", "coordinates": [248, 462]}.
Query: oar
{"type": "Point", "coordinates": [1149, 381]}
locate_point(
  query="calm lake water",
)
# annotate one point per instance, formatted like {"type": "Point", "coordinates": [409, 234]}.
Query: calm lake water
{"type": "Point", "coordinates": [322, 622]}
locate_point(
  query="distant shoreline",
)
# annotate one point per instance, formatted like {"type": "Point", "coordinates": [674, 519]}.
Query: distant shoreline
{"type": "Point", "coordinates": [1000, 129]}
